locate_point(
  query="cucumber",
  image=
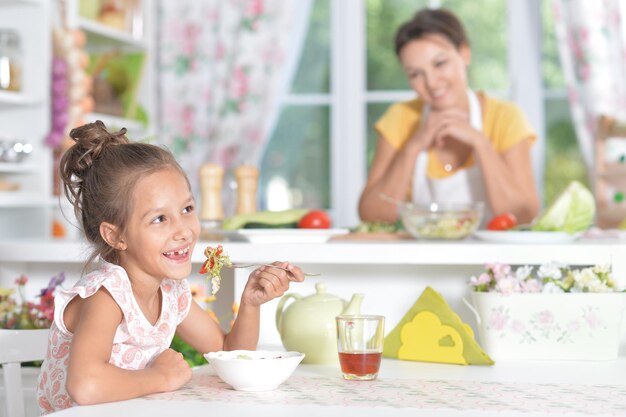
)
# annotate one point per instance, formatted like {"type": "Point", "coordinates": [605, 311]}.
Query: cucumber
{"type": "Point", "coordinates": [254, 225]}
{"type": "Point", "coordinates": [265, 219]}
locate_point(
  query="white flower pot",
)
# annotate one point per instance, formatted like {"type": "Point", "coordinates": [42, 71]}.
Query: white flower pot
{"type": "Point", "coordinates": [571, 326]}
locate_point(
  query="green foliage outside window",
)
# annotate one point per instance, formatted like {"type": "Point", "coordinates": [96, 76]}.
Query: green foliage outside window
{"type": "Point", "coordinates": [564, 161]}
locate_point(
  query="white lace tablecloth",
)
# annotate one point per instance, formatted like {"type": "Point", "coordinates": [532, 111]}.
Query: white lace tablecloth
{"type": "Point", "coordinates": [403, 389]}
{"type": "Point", "coordinates": [389, 393]}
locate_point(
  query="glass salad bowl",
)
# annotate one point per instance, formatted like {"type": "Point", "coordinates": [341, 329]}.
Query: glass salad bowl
{"type": "Point", "coordinates": [441, 221]}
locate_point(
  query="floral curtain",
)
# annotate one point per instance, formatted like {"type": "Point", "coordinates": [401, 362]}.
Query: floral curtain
{"type": "Point", "coordinates": [220, 67]}
{"type": "Point", "coordinates": [592, 46]}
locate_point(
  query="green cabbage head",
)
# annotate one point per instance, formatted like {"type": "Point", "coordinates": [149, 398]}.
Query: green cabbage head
{"type": "Point", "coordinates": [572, 211]}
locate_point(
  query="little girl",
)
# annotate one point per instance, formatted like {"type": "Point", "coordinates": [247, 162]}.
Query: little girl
{"type": "Point", "coordinates": [111, 331]}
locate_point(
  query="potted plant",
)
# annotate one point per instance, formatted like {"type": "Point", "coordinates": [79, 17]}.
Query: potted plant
{"type": "Point", "coordinates": [24, 324]}
{"type": "Point", "coordinates": [550, 312]}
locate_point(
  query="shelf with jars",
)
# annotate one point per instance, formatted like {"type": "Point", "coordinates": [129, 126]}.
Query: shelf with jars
{"type": "Point", "coordinates": [120, 45]}
{"type": "Point", "coordinates": [25, 162]}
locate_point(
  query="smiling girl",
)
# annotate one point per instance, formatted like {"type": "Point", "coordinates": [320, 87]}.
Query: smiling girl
{"type": "Point", "coordinates": [450, 144]}
{"type": "Point", "coordinates": [112, 331]}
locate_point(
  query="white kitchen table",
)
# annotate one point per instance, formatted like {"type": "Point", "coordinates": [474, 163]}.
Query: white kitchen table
{"type": "Point", "coordinates": [403, 388]}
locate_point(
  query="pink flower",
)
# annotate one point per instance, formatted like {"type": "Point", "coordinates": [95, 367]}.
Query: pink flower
{"type": "Point", "coordinates": [573, 326]}
{"type": "Point", "coordinates": [240, 83]}
{"type": "Point", "coordinates": [497, 320]}
{"type": "Point", "coordinates": [507, 285]}
{"type": "Point", "coordinates": [592, 320]}
{"type": "Point", "coordinates": [220, 50]}
{"type": "Point", "coordinates": [499, 270]}
{"type": "Point", "coordinates": [531, 286]}
{"type": "Point", "coordinates": [483, 278]}
{"type": "Point", "coordinates": [545, 317]}
{"type": "Point", "coordinates": [255, 7]}
{"type": "Point", "coordinates": [517, 326]}
{"type": "Point", "coordinates": [22, 280]}
{"type": "Point", "coordinates": [187, 120]}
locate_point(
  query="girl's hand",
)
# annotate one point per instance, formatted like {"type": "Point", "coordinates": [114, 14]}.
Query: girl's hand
{"type": "Point", "coordinates": [172, 366]}
{"type": "Point", "coordinates": [267, 283]}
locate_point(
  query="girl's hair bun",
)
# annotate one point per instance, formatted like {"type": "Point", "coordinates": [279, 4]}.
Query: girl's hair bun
{"type": "Point", "coordinates": [91, 140]}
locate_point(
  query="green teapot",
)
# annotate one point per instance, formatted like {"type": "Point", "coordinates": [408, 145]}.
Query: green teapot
{"type": "Point", "coordinates": [308, 324]}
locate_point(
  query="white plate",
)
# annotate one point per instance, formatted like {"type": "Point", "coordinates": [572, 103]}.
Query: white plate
{"type": "Point", "coordinates": [513, 236]}
{"type": "Point", "coordinates": [289, 235]}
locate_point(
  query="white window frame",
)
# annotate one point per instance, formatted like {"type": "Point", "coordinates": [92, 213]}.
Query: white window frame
{"type": "Point", "coordinates": [349, 97]}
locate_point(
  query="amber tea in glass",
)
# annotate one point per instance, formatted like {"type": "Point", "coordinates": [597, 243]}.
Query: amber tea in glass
{"type": "Point", "coordinates": [360, 345]}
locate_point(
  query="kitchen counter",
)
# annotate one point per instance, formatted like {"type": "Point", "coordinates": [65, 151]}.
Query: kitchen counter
{"type": "Point", "coordinates": [391, 274]}
{"type": "Point", "coordinates": [405, 252]}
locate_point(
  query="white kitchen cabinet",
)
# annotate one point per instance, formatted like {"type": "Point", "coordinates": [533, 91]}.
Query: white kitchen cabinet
{"type": "Point", "coordinates": [25, 117]}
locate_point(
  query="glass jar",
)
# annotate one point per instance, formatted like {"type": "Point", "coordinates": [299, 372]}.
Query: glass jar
{"type": "Point", "coordinates": [10, 60]}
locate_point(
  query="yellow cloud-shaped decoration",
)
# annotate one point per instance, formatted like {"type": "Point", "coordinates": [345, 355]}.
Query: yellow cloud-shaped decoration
{"type": "Point", "coordinates": [426, 339]}
{"type": "Point", "coordinates": [432, 332]}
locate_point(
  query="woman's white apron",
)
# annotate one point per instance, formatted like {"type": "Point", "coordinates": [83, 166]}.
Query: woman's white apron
{"type": "Point", "coordinates": [464, 186]}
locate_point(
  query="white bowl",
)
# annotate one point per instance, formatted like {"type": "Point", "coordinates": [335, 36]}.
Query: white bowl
{"type": "Point", "coordinates": [441, 221]}
{"type": "Point", "coordinates": [254, 370]}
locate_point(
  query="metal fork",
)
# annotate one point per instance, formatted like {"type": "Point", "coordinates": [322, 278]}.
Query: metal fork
{"type": "Point", "coordinates": [306, 274]}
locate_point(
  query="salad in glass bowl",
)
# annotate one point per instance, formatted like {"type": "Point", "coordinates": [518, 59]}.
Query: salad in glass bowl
{"type": "Point", "coordinates": [441, 221]}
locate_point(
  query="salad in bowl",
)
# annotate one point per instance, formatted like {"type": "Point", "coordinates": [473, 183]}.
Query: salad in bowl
{"type": "Point", "coordinates": [441, 221]}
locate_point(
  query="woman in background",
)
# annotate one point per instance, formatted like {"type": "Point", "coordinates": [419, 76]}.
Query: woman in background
{"type": "Point", "coordinates": [450, 144]}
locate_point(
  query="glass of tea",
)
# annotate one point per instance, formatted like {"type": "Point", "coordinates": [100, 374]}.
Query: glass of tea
{"type": "Point", "coordinates": [360, 345]}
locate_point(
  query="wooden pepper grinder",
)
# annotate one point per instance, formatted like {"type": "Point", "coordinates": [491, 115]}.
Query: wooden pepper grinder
{"type": "Point", "coordinates": [211, 210]}
{"type": "Point", "coordinates": [247, 177]}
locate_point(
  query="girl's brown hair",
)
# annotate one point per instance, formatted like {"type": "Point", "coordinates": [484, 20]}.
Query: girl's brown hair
{"type": "Point", "coordinates": [428, 22]}
{"type": "Point", "coordinates": [99, 173]}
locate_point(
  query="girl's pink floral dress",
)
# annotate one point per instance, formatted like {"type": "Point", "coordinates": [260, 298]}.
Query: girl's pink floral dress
{"type": "Point", "coordinates": [136, 342]}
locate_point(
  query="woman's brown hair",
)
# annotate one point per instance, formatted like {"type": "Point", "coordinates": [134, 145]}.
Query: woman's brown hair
{"type": "Point", "coordinates": [431, 22]}
{"type": "Point", "coordinates": [99, 173]}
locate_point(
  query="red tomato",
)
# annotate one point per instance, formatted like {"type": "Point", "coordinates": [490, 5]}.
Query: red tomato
{"type": "Point", "coordinates": [315, 219]}
{"type": "Point", "coordinates": [502, 222]}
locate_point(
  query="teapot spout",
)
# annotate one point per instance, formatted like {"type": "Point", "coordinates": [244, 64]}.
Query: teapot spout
{"type": "Point", "coordinates": [354, 306]}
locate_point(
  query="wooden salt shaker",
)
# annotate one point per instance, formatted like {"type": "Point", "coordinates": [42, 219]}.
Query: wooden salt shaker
{"type": "Point", "coordinates": [211, 176]}
{"type": "Point", "coordinates": [247, 177]}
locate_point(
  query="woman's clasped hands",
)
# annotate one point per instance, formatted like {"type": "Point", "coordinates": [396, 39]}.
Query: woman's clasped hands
{"type": "Point", "coordinates": [443, 125]}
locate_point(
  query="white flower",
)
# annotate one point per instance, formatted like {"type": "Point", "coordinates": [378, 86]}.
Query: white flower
{"type": "Point", "coordinates": [602, 269]}
{"type": "Point", "coordinates": [507, 285]}
{"type": "Point", "coordinates": [523, 272]}
{"type": "Point", "coordinates": [583, 277]}
{"type": "Point", "coordinates": [598, 286]}
{"type": "Point", "coordinates": [552, 288]}
{"type": "Point", "coordinates": [552, 277]}
{"type": "Point", "coordinates": [551, 270]}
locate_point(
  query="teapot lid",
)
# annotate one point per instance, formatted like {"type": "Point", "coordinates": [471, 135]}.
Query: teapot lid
{"type": "Point", "coordinates": [321, 294]}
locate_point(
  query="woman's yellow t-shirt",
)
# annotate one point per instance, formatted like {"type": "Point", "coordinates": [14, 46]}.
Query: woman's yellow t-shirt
{"type": "Point", "coordinates": [504, 124]}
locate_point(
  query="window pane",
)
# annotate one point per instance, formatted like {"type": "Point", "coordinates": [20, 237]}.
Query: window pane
{"type": "Point", "coordinates": [313, 73]}
{"type": "Point", "coordinates": [563, 160]}
{"type": "Point", "coordinates": [295, 169]}
{"type": "Point", "coordinates": [383, 18]}
{"type": "Point", "coordinates": [374, 111]}
{"type": "Point", "coordinates": [550, 63]}
{"type": "Point", "coordinates": [486, 27]}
